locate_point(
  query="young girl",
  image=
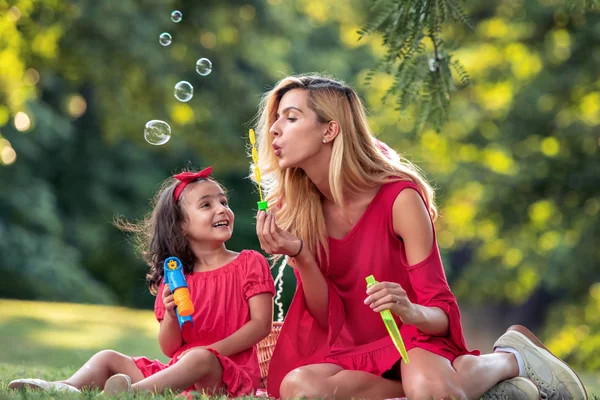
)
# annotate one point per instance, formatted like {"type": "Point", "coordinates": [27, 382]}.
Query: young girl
{"type": "Point", "coordinates": [231, 293]}
{"type": "Point", "coordinates": [344, 207]}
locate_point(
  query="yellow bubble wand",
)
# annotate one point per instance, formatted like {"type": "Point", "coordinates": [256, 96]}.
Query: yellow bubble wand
{"type": "Point", "coordinates": [390, 324]}
{"type": "Point", "coordinates": [262, 204]}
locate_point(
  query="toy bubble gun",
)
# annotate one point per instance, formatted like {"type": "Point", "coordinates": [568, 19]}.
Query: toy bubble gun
{"type": "Point", "coordinates": [262, 204]}
{"type": "Point", "coordinates": [181, 294]}
{"type": "Point", "coordinates": [390, 324]}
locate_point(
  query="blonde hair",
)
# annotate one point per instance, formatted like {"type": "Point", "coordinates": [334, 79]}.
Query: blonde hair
{"type": "Point", "coordinates": [358, 160]}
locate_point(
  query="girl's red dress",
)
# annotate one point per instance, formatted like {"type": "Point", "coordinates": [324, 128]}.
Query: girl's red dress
{"type": "Point", "coordinates": [220, 299]}
{"type": "Point", "coordinates": [356, 338]}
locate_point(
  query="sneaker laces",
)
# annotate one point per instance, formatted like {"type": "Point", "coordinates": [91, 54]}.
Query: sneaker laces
{"type": "Point", "coordinates": [546, 392]}
{"type": "Point", "coordinates": [496, 393]}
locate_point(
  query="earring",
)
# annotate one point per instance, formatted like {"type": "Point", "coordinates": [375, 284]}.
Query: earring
{"type": "Point", "coordinates": [324, 140]}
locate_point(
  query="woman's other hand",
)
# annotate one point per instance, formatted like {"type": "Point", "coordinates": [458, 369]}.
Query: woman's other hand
{"type": "Point", "coordinates": [390, 296]}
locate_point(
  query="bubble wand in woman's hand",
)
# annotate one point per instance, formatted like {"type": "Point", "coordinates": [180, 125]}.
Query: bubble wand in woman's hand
{"type": "Point", "coordinates": [390, 324]}
{"type": "Point", "coordinates": [262, 204]}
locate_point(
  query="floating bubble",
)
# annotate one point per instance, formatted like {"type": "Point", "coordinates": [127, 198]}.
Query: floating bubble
{"type": "Point", "coordinates": [184, 91]}
{"type": "Point", "coordinates": [157, 132]}
{"type": "Point", "coordinates": [176, 16]}
{"type": "Point", "coordinates": [203, 66]}
{"type": "Point", "coordinates": [165, 39]}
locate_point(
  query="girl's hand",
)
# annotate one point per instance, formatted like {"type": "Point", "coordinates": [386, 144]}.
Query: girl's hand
{"type": "Point", "coordinates": [391, 296]}
{"type": "Point", "coordinates": [190, 349]}
{"type": "Point", "coordinates": [274, 240]}
{"type": "Point", "coordinates": [168, 300]}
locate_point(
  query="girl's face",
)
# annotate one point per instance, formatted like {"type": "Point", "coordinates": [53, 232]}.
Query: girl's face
{"type": "Point", "coordinates": [297, 132]}
{"type": "Point", "coordinates": [208, 216]}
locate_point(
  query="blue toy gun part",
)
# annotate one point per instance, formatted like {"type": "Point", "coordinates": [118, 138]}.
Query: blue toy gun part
{"type": "Point", "coordinates": [184, 308]}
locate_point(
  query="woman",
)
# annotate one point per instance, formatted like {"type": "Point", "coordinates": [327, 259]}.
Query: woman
{"type": "Point", "coordinates": [345, 207]}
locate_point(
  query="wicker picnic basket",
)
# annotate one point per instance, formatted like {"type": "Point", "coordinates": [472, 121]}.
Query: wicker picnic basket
{"type": "Point", "coordinates": [265, 351]}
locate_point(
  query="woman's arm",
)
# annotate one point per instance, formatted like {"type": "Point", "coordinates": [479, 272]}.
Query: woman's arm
{"type": "Point", "coordinates": [413, 224]}
{"type": "Point", "coordinates": [316, 292]}
{"type": "Point", "coordinates": [274, 240]}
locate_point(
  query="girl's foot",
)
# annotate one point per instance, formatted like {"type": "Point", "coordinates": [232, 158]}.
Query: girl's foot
{"type": "Point", "coordinates": [518, 388]}
{"type": "Point", "coordinates": [40, 384]}
{"type": "Point", "coordinates": [554, 378]}
{"type": "Point", "coordinates": [119, 383]}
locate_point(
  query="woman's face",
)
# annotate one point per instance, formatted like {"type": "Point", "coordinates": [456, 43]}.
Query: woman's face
{"type": "Point", "coordinates": [297, 132]}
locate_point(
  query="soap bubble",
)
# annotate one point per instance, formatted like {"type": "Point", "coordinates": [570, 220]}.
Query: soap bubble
{"type": "Point", "coordinates": [157, 132]}
{"type": "Point", "coordinates": [184, 91]}
{"type": "Point", "coordinates": [203, 66]}
{"type": "Point", "coordinates": [165, 39]}
{"type": "Point", "coordinates": [176, 16]}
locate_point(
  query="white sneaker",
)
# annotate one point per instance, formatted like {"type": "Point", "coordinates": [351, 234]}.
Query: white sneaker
{"type": "Point", "coordinates": [518, 388]}
{"type": "Point", "coordinates": [40, 384]}
{"type": "Point", "coordinates": [118, 383]}
{"type": "Point", "coordinates": [554, 378]}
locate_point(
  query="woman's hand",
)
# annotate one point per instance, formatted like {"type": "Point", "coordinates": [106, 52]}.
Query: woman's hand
{"type": "Point", "coordinates": [168, 300]}
{"type": "Point", "coordinates": [273, 239]}
{"type": "Point", "coordinates": [391, 296]}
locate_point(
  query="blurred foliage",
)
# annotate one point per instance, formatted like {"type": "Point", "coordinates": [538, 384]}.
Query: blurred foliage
{"type": "Point", "coordinates": [516, 164]}
{"type": "Point", "coordinates": [417, 57]}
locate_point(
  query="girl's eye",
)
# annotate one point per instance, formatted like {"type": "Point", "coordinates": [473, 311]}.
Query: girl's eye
{"type": "Point", "coordinates": [204, 205]}
{"type": "Point", "coordinates": [225, 203]}
{"type": "Point", "coordinates": [291, 119]}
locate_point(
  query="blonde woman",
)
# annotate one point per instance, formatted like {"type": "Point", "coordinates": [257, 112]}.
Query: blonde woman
{"type": "Point", "coordinates": [344, 206]}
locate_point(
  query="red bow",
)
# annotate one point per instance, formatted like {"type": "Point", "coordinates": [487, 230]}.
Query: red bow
{"type": "Point", "coordinates": [186, 177]}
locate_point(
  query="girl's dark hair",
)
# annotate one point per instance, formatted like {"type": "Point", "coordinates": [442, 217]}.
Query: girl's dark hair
{"type": "Point", "coordinates": [159, 235]}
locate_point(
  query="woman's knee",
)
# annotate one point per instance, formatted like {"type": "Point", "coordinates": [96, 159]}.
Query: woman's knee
{"type": "Point", "coordinates": [300, 383]}
{"type": "Point", "coordinates": [426, 388]}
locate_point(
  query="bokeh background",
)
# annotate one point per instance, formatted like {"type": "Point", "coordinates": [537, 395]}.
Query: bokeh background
{"type": "Point", "coordinates": [516, 166]}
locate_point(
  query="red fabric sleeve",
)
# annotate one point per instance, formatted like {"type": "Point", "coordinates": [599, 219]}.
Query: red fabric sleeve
{"type": "Point", "coordinates": [258, 276]}
{"type": "Point", "coordinates": [429, 282]}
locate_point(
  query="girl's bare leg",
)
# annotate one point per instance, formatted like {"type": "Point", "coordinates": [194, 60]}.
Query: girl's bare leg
{"type": "Point", "coordinates": [332, 381]}
{"type": "Point", "coordinates": [102, 365]}
{"type": "Point", "coordinates": [200, 368]}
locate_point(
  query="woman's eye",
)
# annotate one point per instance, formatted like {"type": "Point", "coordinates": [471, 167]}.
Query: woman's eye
{"type": "Point", "coordinates": [292, 119]}
{"type": "Point", "coordinates": [204, 205]}
{"type": "Point", "coordinates": [225, 203]}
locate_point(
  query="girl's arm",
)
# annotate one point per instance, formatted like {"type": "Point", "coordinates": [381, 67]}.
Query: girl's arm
{"type": "Point", "coordinates": [274, 240]}
{"type": "Point", "coordinates": [169, 335]}
{"type": "Point", "coordinates": [413, 224]}
{"type": "Point", "coordinates": [252, 332]}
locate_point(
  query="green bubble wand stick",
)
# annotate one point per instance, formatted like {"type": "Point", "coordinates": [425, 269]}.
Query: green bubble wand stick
{"type": "Point", "coordinates": [390, 324]}
{"type": "Point", "coordinates": [262, 204]}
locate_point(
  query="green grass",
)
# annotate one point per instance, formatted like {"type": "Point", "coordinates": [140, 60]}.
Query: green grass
{"type": "Point", "coordinates": [52, 340]}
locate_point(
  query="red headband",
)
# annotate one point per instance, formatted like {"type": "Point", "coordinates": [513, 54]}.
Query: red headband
{"type": "Point", "coordinates": [185, 178]}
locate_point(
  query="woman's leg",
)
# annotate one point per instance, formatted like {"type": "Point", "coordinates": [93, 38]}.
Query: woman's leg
{"type": "Point", "coordinates": [102, 365]}
{"type": "Point", "coordinates": [332, 381]}
{"type": "Point", "coordinates": [199, 367]}
{"type": "Point", "coordinates": [429, 375]}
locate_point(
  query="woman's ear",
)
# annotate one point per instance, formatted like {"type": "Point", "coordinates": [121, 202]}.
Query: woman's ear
{"type": "Point", "coordinates": [333, 129]}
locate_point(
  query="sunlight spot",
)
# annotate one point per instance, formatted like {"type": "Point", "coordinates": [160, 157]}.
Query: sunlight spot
{"type": "Point", "coordinates": [550, 146]}
{"type": "Point", "coordinates": [22, 121]}
{"type": "Point", "coordinates": [32, 77]}
{"type": "Point", "coordinates": [76, 106]}
{"type": "Point", "coordinates": [8, 155]}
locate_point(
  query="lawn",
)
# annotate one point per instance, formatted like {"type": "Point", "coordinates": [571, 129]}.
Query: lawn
{"type": "Point", "coordinates": [51, 340]}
